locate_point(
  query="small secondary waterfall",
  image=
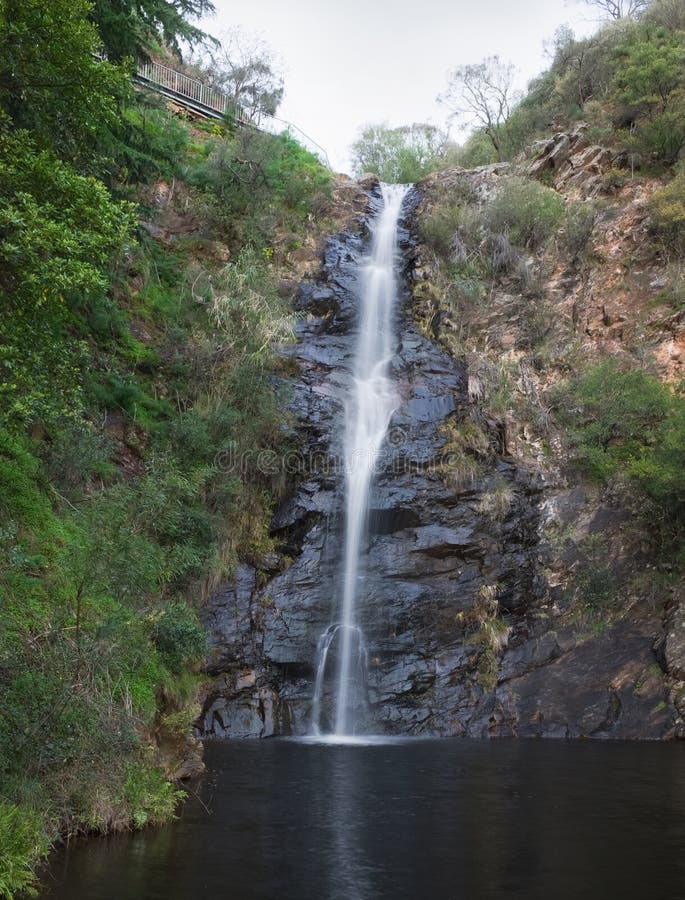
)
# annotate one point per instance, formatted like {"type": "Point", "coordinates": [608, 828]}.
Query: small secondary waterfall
{"type": "Point", "coordinates": [368, 412]}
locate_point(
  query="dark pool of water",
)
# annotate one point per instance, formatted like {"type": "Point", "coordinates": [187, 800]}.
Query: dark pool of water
{"type": "Point", "coordinates": [426, 819]}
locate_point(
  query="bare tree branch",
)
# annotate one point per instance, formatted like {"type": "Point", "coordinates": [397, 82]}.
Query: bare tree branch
{"type": "Point", "coordinates": [482, 94]}
{"type": "Point", "coordinates": [618, 9]}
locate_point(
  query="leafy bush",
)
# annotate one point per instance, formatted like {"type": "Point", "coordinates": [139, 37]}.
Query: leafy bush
{"type": "Point", "coordinates": [578, 227]}
{"type": "Point", "coordinates": [454, 227]}
{"type": "Point", "coordinates": [60, 232]}
{"type": "Point", "coordinates": [150, 798]}
{"type": "Point", "coordinates": [178, 636]}
{"type": "Point", "coordinates": [629, 423]}
{"type": "Point", "coordinates": [23, 843]}
{"type": "Point", "coordinates": [146, 142]}
{"type": "Point", "coordinates": [253, 181]}
{"type": "Point", "coordinates": [667, 207]}
{"type": "Point", "coordinates": [52, 80]}
{"type": "Point", "coordinates": [526, 211]}
{"type": "Point", "coordinates": [648, 85]}
{"type": "Point", "coordinates": [476, 151]}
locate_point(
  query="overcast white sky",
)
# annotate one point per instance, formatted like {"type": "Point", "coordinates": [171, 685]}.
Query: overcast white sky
{"type": "Point", "coordinates": [351, 62]}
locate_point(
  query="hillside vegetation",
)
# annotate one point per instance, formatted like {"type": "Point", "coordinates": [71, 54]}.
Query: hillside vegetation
{"type": "Point", "coordinates": [139, 265]}
{"type": "Point", "coordinates": [555, 271]}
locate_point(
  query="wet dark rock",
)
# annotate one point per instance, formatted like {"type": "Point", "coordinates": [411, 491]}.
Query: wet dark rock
{"type": "Point", "coordinates": [603, 687]}
{"type": "Point", "coordinates": [673, 651]}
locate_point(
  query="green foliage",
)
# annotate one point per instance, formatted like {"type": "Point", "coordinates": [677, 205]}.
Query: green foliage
{"type": "Point", "coordinates": [51, 80]}
{"type": "Point", "coordinates": [293, 174]}
{"type": "Point", "coordinates": [629, 423]}
{"type": "Point", "coordinates": [23, 843]}
{"type": "Point", "coordinates": [650, 85]}
{"type": "Point", "coordinates": [147, 142]}
{"type": "Point", "coordinates": [246, 308]}
{"type": "Point", "coordinates": [477, 150]}
{"type": "Point", "coordinates": [178, 636]}
{"type": "Point", "coordinates": [135, 28]}
{"type": "Point", "coordinates": [528, 212]}
{"type": "Point", "coordinates": [136, 397]}
{"type": "Point", "coordinates": [151, 799]}
{"type": "Point", "coordinates": [660, 469]}
{"type": "Point", "coordinates": [626, 80]}
{"type": "Point", "coordinates": [59, 230]}
{"type": "Point", "coordinates": [453, 227]}
{"type": "Point", "coordinates": [245, 173]}
{"type": "Point", "coordinates": [667, 207]}
{"type": "Point", "coordinates": [400, 155]}
{"type": "Point", "coordinates": [58, 233]}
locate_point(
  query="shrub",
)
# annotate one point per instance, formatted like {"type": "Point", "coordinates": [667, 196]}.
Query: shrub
{"type": "Point", "coordinates": [578, 227]}
{"type": "Point", "coordinates": [525, 210]}
{"type": "Point", "coordinates": [178, 635]}
{"type": "Point", "coordinates": [629, 423]}
{"type": "Point", "coordinates": [253, 181]}
{"type": "Point", "coordinates": [611, 415]}
{"type": "Point", "coordinates": [150, 798]}
{"type": "Point", "coordinates": [23, 843]}
{"type": "Point", "coordinates": [452, 229]}
{"type": "Point", "coordinates": [667, 207]}
{"type": "Point", "coordinates": [476, 151]}
{"type": "Point", "coordinates": [648, 87]}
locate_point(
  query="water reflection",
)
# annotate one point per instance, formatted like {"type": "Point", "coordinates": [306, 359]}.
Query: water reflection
{"type": "Point", "coordinates": [407, 819]}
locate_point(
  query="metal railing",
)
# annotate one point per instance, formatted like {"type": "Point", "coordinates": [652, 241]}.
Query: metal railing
{"type": "Point", "coordinates": [206, 101]}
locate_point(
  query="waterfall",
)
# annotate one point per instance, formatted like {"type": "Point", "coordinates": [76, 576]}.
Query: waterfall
{"type": "Point", "coordinates": [368, 411]}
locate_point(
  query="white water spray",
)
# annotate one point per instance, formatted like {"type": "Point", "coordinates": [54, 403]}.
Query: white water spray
{"type": "Point", "coordinates": [369, 409]}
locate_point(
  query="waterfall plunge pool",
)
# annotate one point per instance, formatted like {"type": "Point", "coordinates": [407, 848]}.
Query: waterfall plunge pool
{"type": "Point", "coordinates": [435, 819]}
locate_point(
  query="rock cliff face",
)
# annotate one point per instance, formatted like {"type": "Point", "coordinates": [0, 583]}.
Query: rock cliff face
{"type": "Point", "coordinates": [446, 655]}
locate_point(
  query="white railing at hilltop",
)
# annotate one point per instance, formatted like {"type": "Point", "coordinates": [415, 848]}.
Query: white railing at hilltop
{"type": "Point", "coordinates": [207, 101]}
{"type": "Point", "coordinates": [189, 88]}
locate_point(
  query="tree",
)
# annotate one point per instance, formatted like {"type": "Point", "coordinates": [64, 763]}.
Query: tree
{"type": "Point", "coordinates": [670, 13]}
{"type": "Point", "coordinates": [401, 155]}
{"type": "Point", "coordinates": [58, 233]}
{"type": "Point", "coordinates": [51, 81]}
{"type": "Point", "coordinates": [482, 94]}
{"type": "Point", "coordinates": [619, 9]}
{"type": "Point", "coordinates": [244, 68]}
{"type": "Point", "coordinates": [649, 84]}
{"type": "Point", "coordinates": [135, 28]}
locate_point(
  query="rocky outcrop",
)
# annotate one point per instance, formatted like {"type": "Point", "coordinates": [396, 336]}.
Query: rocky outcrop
{"type": "Point", "coordinates": [575, 165]}
{"type": "Point", "coordinates": [439, 545]}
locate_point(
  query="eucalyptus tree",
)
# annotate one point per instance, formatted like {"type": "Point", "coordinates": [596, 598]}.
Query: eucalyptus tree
{"type": "Point", "coordinates": [482, 94]}
{"type": "Point", "coordinates": [244, 68]}
{"type": "Point", "coordinates": [618, 9]}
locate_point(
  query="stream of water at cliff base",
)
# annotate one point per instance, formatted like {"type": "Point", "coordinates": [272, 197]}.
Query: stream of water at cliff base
{"type": "Point", "coordinates": [370, 405]}
{"type": "Point", "coordinates": [405, 820]}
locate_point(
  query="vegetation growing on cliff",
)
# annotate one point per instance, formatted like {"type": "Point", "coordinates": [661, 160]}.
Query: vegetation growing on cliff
{"type": "Point", "coordinates": [557, 277]}
{"type": "Point", "coordinates": [134, 372]}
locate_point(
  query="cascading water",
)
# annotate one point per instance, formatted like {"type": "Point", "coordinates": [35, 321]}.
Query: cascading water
{"type": "Point", "coordinates": [368, 412]}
